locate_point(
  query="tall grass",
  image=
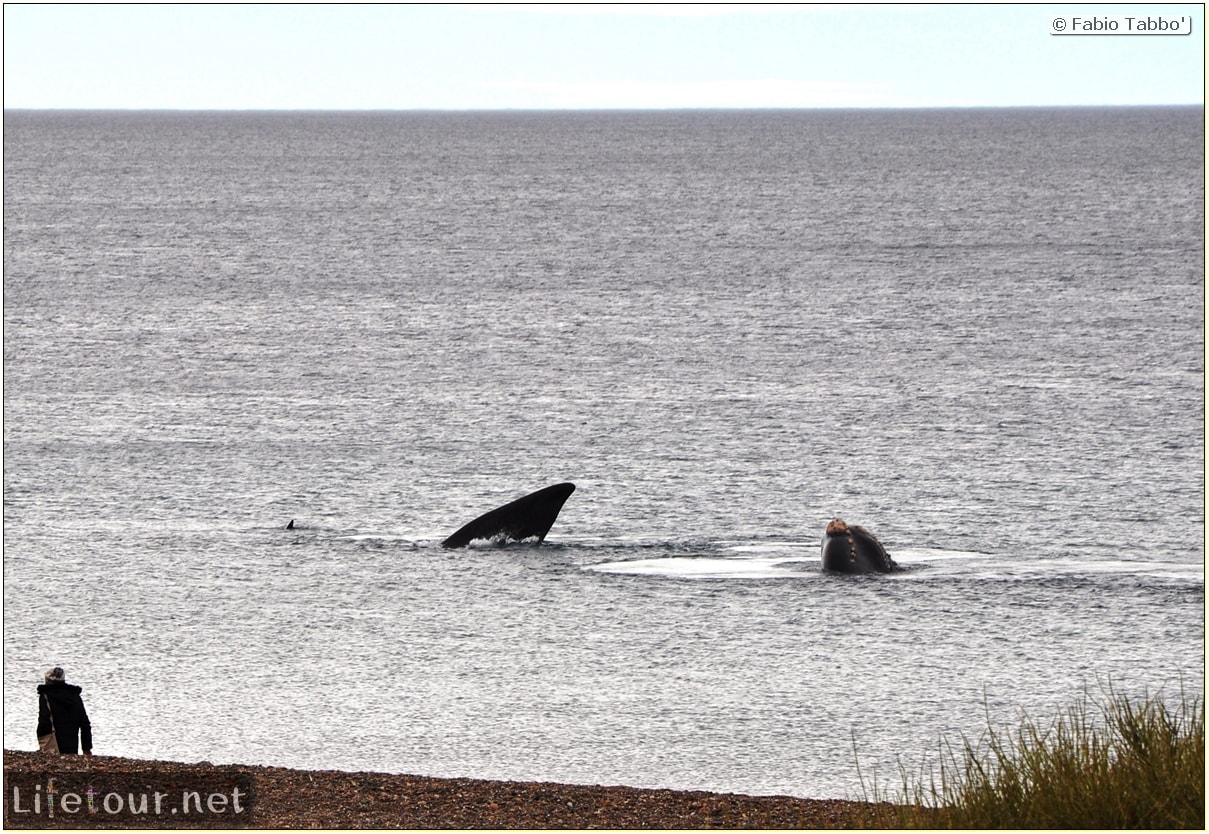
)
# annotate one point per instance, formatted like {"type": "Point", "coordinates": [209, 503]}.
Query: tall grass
{"type": "Point", "coordinates": [1115, 762]}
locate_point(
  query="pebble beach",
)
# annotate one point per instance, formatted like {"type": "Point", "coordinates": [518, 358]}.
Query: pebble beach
{"type": "Point", "coordinates": [113, 792]}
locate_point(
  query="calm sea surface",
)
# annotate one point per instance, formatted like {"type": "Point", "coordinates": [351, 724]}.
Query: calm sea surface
{"type": "Point", "coordinates": [979, 334]}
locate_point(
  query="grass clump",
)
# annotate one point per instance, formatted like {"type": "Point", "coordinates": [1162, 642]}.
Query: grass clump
{"type": "Point", "coordinates": [1113, 763]}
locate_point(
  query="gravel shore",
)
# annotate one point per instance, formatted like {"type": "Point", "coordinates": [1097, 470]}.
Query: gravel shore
{"type": "Point", "coordinates": [111, 792]}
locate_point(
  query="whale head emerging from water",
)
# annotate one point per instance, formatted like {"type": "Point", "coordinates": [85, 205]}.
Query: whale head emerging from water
{"type": "Point", "coordinates": [848, 548]}
{"type": "Point", "coordinates": [525, 518]}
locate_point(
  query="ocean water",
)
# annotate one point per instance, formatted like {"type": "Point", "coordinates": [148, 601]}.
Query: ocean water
{"type": "Point", "coordinates": [980, 334]}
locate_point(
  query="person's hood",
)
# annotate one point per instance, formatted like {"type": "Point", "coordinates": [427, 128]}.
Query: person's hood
{"type": "Point", "coordinates": [58, 688]}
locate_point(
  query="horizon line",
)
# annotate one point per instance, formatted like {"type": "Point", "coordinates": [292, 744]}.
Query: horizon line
{"type": "Point", "coordinates": [591, 109]}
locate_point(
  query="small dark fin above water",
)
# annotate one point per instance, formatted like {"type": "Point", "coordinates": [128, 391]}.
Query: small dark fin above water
{"type": "Point", "coordinates": [529, 517]}
{"type": "Point", "coordinates": [290, 526]}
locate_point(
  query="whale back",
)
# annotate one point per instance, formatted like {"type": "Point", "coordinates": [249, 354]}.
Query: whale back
{"type": "Point", "coordinates": [525, 518]}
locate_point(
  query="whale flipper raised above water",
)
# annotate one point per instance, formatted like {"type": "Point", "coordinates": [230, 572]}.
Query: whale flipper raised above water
{"type": "Point", "coordinates": [853, 549]}
{"type": "Point", "coordinates": [524, 518]}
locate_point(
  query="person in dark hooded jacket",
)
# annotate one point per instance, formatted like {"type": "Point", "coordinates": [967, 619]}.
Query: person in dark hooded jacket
{"type": "Point", "coordinates": [61, 709]}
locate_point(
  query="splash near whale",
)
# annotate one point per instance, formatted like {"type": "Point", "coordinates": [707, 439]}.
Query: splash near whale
{"type": "Point", "coordinates": [849, 548]}
{"type": "Point", "coordinates": [525, 518]}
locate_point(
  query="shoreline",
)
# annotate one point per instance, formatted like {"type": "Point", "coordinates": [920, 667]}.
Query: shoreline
{"type": "Point", "coordinates": [254, 796]}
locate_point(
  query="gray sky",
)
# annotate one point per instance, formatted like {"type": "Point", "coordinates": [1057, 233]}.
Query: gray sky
{"type": "Point", "coordinates": [631, 56]}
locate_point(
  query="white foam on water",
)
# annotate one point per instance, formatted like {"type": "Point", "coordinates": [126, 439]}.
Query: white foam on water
{"type": "Point", "coordinates": [932, 554]}
{"type": "Point", "coordinates": [704, 567]}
